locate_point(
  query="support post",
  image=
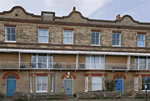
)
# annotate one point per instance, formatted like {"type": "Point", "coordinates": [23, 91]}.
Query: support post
{"type": "Point", "coordinates": [128, 62]}
{"type": "Point", "coordinates": [19, 59]}
{"type": "Point", "coordinates": [77, 57]}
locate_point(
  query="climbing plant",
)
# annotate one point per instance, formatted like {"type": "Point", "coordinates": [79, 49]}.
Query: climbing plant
{"type": "Point", "coordinates": [110, 85]}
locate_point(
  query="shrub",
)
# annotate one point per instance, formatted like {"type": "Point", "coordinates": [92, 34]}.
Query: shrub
{"type": "Point", "coordinates": [21, 100]}
{"type": "Point", "coordinates": [75, 95]}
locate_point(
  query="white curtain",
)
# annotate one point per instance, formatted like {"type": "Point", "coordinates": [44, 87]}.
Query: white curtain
{"type": "Point", "coordinates": [86, 83]}
{"type": "Point", "coordinates": [41, 83]}
{"type": "Point", "coordinates": [136, 83]}
{"type": "Point", "coordinates": [96, 83]}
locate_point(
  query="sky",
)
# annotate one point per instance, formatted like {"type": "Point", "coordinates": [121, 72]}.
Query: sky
{"type": "Point", "coordinates": [93, 9]}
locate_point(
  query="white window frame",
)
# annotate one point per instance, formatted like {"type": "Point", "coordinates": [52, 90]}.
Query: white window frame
{"type": "Point", "coordinates": [67, 37]}
{"type": "Point", "coordinates": [95, 39]}
{"type": "Point", "coordinates": [10, 32]}
{"type": "Point", "coordinates": [136, 83]}
{"type": "Point", "coordinates": [43, 36]}
{"type": "Point", "coordinates": [100, 83]}
{"type": "Point", "coordinates": [46, 62]}
{"type": "Point", "coordinates": [138, 63]}
{"type": "Point", "coordinates": [46, 84]}
{"type": "Point", "coordinates": [140, 40]}
{"type": "Point", "coordinates": [31, 82]}
{"type": "Point", "coordinates": [86, 83]}
{"type": "Point", "coordinates": [100, 61]}
{"type": "Point", "coordinates": [119, 40]}
{"type": "Point", "coordinates": [52, 83]}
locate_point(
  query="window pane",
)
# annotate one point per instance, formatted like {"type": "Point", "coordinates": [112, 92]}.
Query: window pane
{"type": "Point", "coordinates": [8, 30]}
{"type": "Point", "coordinates": [65, 40]}
{"type": "Point", "coordinates": [114, 36]}
{"type": "Point", "coordinates": [70, 34]}
{"type": "Point", "coordinates": [93, 41]}
{"type": "Point", "coordinates": [117, 42]}
{"type": "Point", "coordinates": [93, 35]}
{"type": "Point", "coordinates": [141, 43]}
{"type": "Point", "coordinates": [118, 36]}
{"type": "Point", "coordinates": [97, 35]}
{"type": "Point", "coordinates": [65, 34]}
{"type": "Point", "coordinates": [44, 57]}
{"type": "Point", "coordinates": [40, 58]}
{"type": "Point", "coordinates": [113, 42]}
{"type": "Point", "coordinates": [97, 41]}
{"type": "Point", "coordinates": [96, 59]}
{"type": "Point", "coordinates": [87, 59]}
{"type": "Point", "coordinates": [43, 39]}
{"type": "Point", "coordinates": [44, 65]}
{"type": "Point", "coordinates": [92, 59]}
{"type": "Point", "coordinates": [69, 40]}
{"type": "Point", "coordinates": [33, 58]}
{"type": "Point", "coordinates": [13, 37]}
{"type": "Point", "coordinates": [8, 37]}
{"type": "Point", "coordinates": [12, 30]}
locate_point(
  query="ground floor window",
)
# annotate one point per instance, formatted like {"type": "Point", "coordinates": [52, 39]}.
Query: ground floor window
{"type": "Point", "coordinates": [30, 83]}
{"type": "Point", "coordinates": [145, 81]}
{"type": "Point", "coordinates": [86, 83]}
{"type": "Point", "coordinates": [96, 83]}
{"type": "Point", "coordinates": [135, 83]}
{"type": "Point", "coordinates": [52, 83]}
{"type": "Point", "coordinates": [41, 83]}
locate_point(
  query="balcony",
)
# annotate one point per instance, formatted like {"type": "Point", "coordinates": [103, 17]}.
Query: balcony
{"type": "Point", "coordinates": [72, 66]}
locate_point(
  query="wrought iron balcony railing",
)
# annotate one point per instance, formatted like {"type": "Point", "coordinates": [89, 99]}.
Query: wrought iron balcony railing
{"type": "Point", "coordinates": [73, 66]}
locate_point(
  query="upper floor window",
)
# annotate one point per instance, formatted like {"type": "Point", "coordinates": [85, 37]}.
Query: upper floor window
{"type": "Point", "coordinates": [42, 35]}
{"type": "Point", "coordinates": [95, 62]}
{"type": "Point", "coordinates": [68, 37]}
{"type": "Point", "coordinates": [42, 61]}
{"type": "Point", "coordinates": [95, 38]}
{"type": "Point", "coordinates": [116, 39]}
{"type": "Point", "coordinates": [142, 63]}
{"type": "Point", "coordinates": [141, 40]}
{"type": "Point", "coordinates": [10, 34]}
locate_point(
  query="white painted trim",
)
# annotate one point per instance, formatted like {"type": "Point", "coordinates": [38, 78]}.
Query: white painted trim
{"type": "Point", "coordinates": [10, 41]}
{"type": "Point", "coordinates": [73, 52]}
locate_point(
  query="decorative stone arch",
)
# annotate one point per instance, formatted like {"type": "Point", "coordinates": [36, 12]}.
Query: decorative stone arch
{"type": "Point", "coordinates": [117, 74]}
{"type": "Point", "coordinates": [62, 77]}
{"type": "Point", "coordinates": [10, 73]}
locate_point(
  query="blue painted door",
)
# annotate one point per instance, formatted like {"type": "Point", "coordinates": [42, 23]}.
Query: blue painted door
{"type": "Point", "coordinates": [119, 85]}
{"type": "Point", "coordinates": [11, 87]}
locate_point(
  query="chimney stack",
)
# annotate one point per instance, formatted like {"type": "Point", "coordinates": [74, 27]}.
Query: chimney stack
{"type": "Point", "coordinates": [74, 9]}
{"type": "Point", "coordinates": [118, 17]}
